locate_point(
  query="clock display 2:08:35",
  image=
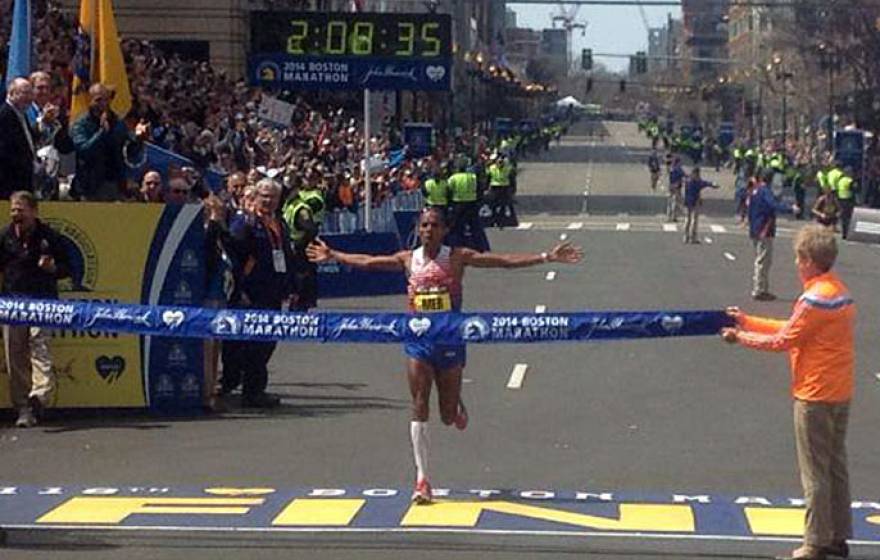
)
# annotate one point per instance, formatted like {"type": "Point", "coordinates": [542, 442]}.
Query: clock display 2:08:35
{"type": "Point", "coordinates": [420, 39]}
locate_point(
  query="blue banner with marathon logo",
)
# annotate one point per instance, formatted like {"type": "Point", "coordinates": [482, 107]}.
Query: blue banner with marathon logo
{"type": "Point", "coordinates": [388, 328]}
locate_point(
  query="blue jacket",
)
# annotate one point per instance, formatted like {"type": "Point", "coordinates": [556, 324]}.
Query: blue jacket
{"type": "Point", "coordinates": [676, 174]}
{"type": "Point", "coordinates": [252, 246]}
{"type": "Point", "coordinates": [692, 191]}
{"type": "Point", "coordinates": [99, 156]}
{"type": "Point", "coordinates": [763, 206]}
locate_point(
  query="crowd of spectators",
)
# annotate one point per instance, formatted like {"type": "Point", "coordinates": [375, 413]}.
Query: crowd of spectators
{"type": "Point", "coordinates": [211, 119]}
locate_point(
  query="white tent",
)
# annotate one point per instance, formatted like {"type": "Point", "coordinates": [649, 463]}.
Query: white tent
{"type": "Point", "coordinates": [569, 101]}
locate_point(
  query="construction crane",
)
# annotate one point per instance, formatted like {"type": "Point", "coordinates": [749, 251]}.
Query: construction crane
{"type": "Point", "coordinates": [567, 16]}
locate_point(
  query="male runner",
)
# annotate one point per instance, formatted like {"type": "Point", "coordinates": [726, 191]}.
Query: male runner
{"type": "Point", "coordinates": [434, 273]}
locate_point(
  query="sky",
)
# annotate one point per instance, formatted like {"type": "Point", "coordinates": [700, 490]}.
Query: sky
{"type": "Point", "coordinates": [610, 29]}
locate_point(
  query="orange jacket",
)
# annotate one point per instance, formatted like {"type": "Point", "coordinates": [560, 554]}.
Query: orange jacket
{"type": "Point", "coordinates": [819, 337]}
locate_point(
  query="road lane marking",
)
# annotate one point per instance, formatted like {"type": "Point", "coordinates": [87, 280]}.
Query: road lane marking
{"type": "Point", "coordinates": [550, 276]}
{"type": "Point", "coordinates": [576, 225]}
{"type": "Point", "coordinates": [623, 226]}
{"type": "Point", "coordinates": [708, 240]}
{"type": "Point", "coordinates": [524, 225]}
{"type": "Point", "coordinates": [717, 228]}
{"type": "Point", "coordinates": [670, 227]}
{"type": "Point", "coordinates": [729, 256]}
{"type": "Point", "coordinates": [517, 376]}
{"type": "Point", "coordinates": [540, 308]}
{"type": "Point", "coordinates": [563, 237]}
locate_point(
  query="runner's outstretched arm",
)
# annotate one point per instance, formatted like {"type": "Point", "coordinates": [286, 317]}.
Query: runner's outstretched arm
{"type": "Point", "coordinates": [562, 253]}
{"type": "Point", "coordinates": [318, 252]}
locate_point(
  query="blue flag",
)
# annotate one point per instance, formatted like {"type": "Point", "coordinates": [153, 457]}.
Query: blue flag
{"type": "Point", "coordinates": [19, 62]}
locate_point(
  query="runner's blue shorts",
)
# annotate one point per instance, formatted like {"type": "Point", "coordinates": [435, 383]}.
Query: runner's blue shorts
{"type": "Point", "coordinates": [438, 356]}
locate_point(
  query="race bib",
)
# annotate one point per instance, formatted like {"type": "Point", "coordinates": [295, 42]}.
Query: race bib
{"type": "Point", "coordinates": [433, 301]}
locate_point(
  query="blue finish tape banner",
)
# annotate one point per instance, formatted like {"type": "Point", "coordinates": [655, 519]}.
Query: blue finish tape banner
{"type": "Point", "coordinates": [388, 328]}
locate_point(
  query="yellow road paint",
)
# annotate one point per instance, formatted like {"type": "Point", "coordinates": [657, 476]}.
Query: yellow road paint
{"type": "Point", "coordinates": [632, 517]}
{"type": "Point", "coordinates": [104, 510]}
{"type": "Point", "coordinates": [316, 512]}
{"type": "Point", "coordinates": [776, 521]}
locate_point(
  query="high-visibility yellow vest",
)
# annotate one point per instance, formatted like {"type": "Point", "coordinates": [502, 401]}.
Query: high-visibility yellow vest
{"type": "Point", "coordinates": [844, 187]}
{"type": "Point", "coordinates": [290, 212]}
{"type": "Point", "coordinates": [315, 199]}
{"type": "Point", "coordinates": [833, 177]}
{"type": "Point", "coordinates": [499, 175]}
{"type": "Point", "coordinates": [437, 192]}
{"type": "Point", "coordinates": [822, 179]}
{"type": "Point", "coordinates": [463, 186]}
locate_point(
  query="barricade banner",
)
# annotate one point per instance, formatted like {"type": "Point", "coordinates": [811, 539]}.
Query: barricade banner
{"type": "Point", "coordinates": [123, 253]}
{"type": "Point", "coordinates": [380, 328]}
{"type": "Point", "coordinates": [337, 280]}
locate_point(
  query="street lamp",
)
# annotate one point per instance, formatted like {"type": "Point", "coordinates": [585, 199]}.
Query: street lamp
{"type": "Point", "coordinates": [782, 76]}
{"type": "Point", "coordinates": [829, 61]}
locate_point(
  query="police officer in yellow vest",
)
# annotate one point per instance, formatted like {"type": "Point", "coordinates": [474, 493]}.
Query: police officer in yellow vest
{"type": "Point", "coordinates": [303, 213]}
{"type": "Point", "coordinates": [436, 189]}
{"type": "Point", "coordinates": [501, 191]}
{"type": "Point", "coordinates": [843, 186]}
{"type": "Point", "coordinates": [466, 228]}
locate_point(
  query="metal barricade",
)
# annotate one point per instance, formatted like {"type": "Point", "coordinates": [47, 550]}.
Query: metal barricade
{"type": "Point", "coordinates": [343, 221]}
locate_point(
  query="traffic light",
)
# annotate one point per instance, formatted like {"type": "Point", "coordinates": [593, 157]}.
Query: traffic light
{"type": "Point", "coordinates": [622, 86]}
{"type": "Point", "coordinates": [587, 59]}
{"type": "Point", "coordinates": [589, 85]}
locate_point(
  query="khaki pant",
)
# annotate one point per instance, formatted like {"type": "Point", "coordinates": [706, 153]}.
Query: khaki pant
{"type": "Point", "coordinates": [692, 218]}
{"type": "Point", "coordinates": [763, 259]}
{"type": "Point", "coordinates": [673, 202]}
{"type": "Point", "coordinates": [820, 434]}
{"type": "Point", "coordinates": [29, 364]}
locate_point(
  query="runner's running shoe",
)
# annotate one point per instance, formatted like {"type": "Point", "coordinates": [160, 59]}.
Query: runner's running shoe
{"type": "Point", "coordinates": [423, 494]}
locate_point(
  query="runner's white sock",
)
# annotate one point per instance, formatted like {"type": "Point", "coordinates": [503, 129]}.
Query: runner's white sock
{"type": "Point", "coordinates": [418, 432]}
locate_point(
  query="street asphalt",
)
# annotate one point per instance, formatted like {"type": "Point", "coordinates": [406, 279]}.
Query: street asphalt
{"type": "Point", "coordinates": [646, 420]}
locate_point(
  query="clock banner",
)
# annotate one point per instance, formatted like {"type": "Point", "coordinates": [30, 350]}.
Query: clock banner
{"type": "Point", "coordinates": [331, 51]}
{"type": "Point", "coordinates": [348, 327]}
{"type": "Point", "coordinates": [282, 71]}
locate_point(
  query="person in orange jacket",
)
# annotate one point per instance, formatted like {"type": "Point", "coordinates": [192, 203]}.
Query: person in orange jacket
{"type": "Point", "coordinates": [819, 340]}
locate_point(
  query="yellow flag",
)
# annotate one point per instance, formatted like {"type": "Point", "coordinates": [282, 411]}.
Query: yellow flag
{"type": "Point", "coordinates": [98, 58]}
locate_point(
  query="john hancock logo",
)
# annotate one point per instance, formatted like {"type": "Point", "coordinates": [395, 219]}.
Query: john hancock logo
{"type": "Point", "coordinates": [110, 368]}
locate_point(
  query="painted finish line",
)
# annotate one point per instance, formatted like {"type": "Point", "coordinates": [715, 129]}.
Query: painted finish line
{"type": "Point", "coordinates": [479, 510]}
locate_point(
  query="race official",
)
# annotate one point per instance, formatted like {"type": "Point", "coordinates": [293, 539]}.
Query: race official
{"type": "Point", "coordinates": [692, 202]}
{"type": "Point", "coordinates": [819, 338]}
{"type": "Point", "coordinates": [763, 207]}
{"type": "Point", "coordinates": [32, 260]}
{"type": "Point", "coordinates": [264, 262]}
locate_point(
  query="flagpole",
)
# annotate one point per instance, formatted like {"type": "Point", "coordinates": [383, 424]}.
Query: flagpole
{"type": "Point", "coordinates": [93, 50]}
{"type": "Point", "coordinates": [368, 195]}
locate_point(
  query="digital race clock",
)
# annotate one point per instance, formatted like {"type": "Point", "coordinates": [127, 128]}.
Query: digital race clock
{"type": "Point", "coordinates": [385, 35]}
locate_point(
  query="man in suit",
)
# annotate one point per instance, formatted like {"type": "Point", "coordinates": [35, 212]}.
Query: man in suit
{"type": "Point", "coordinates": [17, 144]}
